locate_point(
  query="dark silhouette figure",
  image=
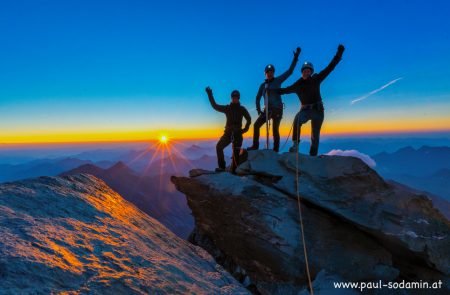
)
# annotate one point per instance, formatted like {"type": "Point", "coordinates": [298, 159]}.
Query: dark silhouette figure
{"type": "Point", "coordinates": [275, 106]}
{"type": "Point", "coordinates": [233, 128]}
{"type": "Point", "coordinates": [307, 89]}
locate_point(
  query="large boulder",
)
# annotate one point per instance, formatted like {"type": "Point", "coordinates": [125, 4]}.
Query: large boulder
{"type": "Point", "coordinates": [357, 226]}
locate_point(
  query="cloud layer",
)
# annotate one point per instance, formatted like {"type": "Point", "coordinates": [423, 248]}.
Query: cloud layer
{"type": "Point", "coordinates": [354, 153]}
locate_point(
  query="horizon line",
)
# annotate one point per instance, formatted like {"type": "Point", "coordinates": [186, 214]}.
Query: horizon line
{"type": "Point", "coordinates": [153, 140]}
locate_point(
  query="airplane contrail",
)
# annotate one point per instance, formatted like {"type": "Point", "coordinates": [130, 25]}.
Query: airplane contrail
{"type": "Point", "coordinates": [374, 91]}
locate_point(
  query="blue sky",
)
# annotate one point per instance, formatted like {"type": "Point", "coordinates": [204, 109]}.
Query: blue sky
{"type": "Point", "coordinates": [125, 65]}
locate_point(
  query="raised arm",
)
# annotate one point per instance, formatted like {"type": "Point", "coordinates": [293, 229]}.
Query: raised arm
{"type": "Point", "coordinates": [217, 107]}
{"type": "Point", "coordinates": [336, 59]}
{"type": "Point", "coordinates": [289, 72]}
{"type": "Point", "coordinates": [258, 98]}
{"type": "Point", "coordinates": [248, 121]}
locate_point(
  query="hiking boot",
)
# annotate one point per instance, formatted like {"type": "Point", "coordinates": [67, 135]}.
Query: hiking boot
{"type": "Point", "coordinates": [253, 148]}
{"type": "Point", "coordinates": [294, 148]}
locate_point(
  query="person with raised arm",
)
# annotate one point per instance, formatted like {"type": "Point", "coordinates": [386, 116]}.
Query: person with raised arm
{"type": "Point", "coordinates": [234, 113]}
{"type": "Point", "coordinates": [307, 89]}
{"type": "Point", "coordinates": [273, 106]}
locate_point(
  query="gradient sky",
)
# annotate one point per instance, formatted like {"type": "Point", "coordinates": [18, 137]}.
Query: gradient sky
{"type": "Point", "coordinates": [117, 70]}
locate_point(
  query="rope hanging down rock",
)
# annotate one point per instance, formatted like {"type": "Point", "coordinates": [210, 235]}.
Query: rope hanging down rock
{"type": "Point", "coordinates": [301, 224]}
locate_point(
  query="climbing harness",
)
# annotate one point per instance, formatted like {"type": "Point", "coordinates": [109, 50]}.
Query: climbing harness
{"type": "Point", "coordinates": [317, 105]}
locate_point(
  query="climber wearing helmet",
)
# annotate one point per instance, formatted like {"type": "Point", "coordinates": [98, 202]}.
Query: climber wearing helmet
{"type": "Point", "coordinates": [273, 108]}
{"type": "Point", "coordinates": [234, 113]}
{"type": "Point", "coordinates": [307, 89]}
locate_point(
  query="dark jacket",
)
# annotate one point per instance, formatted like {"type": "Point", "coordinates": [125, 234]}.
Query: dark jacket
{"type": "Point", "coordinates": [308, 90]}
{"type": "Point", "coordinates": [268, 88]}
{"type": "Point", "coordinates": [234, 113]}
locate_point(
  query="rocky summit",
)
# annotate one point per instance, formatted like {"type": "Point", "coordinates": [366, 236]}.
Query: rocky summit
{"type": "Point", "coordinates": [75, 235]}
{"type": "Point", "coordinates": [358, 227]}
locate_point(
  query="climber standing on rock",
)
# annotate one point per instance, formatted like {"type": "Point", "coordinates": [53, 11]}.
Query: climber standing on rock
{"type": "Point", "coordinates": [234, 113]}
{"type": "Point", "coordinates": [273, 106]}
{"type": "Point", "coordinates": [307, 89]}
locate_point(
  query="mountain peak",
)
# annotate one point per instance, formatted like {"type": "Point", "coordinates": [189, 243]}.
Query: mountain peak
{"type": "Point", "coordinates": [120, 167]}
{"type": "Point", "coordinates": [195, 147]}
{"type": "Point", "coordinates": [407, 149]}
{"type": "Point", "coordinates": [86, 168]}
{"type": "Point", "coordinates": [84, 237]}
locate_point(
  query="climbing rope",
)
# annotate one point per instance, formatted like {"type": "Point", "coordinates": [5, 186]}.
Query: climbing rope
{"type": "Point", "coordinates": [267, 126]}
{"type": "Point", "coordinates": [233, 154]}
{"type": "Point", "coordinates": [287, 138]}
{"type": "Point", "coordinates": [301, 222]}
{"type": "Point", "coordinates": [266, 106]}
{"type": "Point", "coordinates": [268, 133]}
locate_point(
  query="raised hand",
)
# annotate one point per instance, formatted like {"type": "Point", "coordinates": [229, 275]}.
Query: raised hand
{"type": "Point", "coordinates": [297, 52]}
{"type": "Point", "coordinates": [208, 90]}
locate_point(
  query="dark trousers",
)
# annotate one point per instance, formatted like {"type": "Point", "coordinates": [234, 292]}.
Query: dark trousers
{"type": "Point", "coordinates": [316, 115]}
{"type": "Point", "coordinates": [229, 136]}
{"type": "Point", "coordinates": [276, 115]}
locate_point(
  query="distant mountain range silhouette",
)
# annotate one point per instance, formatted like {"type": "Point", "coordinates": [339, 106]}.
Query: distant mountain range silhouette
{"type": "Point", "coordinates": [426, 168]}
{"type": "Point", "coordinates": [47, 167]}
{"type": "Point", "coordinates": [419, 162]}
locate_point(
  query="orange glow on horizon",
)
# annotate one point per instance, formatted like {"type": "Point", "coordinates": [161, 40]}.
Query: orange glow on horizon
{"type": "Point", "coordinates": [330, 128]}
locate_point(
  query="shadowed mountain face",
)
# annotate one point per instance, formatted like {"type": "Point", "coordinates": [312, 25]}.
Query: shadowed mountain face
{"type": "Point", "coordinates": [146, 161]}
{"type": "Point", "coordinates": [149, 188]}
{"type": "Point", "coordinates": [74, 234]}
{"type": "Point", "coordinates": [376, 145]}
{"type": "Point", "coordinates": [196, 151]}
{"type": "Point", "coordinates": [358, 227]}
{"type": "Point", "coordinates": [416, 162]}
{"type": "Point", "coordinates": [426, 168]}
{"type": "Point", "coordinates": [170, 160]}
{"type": "Point", "coordinates": [437, 183]}
{"type": "Point", "coordinates": [154, 195]}
{"type": "Point", "coordinates": [178, 165]}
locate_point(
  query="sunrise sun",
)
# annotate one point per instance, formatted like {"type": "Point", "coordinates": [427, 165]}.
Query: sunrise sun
{"type": "Point", "coordinates": [163, 139]}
